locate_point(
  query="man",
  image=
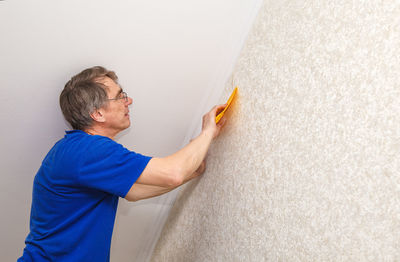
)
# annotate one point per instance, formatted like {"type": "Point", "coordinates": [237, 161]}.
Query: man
{"type": "Point", "coordinates": [76, 190]}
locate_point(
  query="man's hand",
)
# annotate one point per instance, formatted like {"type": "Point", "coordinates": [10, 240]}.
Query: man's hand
{"type": "Point", "coordinates": [209, 125]}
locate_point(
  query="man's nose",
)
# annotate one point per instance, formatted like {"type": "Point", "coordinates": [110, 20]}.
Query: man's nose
{"type": "Point", "coordinates": [129, 102]}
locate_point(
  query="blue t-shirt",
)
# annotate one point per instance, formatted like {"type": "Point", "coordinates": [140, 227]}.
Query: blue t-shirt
{"type": "Point", "coordinates": [75, 197]}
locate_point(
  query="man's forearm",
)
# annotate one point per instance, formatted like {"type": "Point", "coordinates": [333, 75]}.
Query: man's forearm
{"type": "Point", "coordinates": [142, 191]}
{"type": "Point", "coordinates": [191, 156]}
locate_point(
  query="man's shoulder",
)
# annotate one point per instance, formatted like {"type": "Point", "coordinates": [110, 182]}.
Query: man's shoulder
{"type": "Point", "coordinates": [80, 145]}
{"type": "Point", "coordinates": [96, 145]}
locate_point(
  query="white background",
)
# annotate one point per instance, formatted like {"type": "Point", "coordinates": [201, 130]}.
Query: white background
{"type": "Point", "coordinates": [172, 57]}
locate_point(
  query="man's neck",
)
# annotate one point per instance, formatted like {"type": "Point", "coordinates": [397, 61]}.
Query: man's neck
{"type": "Point", "coordinates": [99, 131]}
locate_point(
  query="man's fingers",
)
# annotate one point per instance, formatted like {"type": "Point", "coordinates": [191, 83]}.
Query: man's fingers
{"type": "Point", "coordinates": [221, 107]}
{"type": "Point", "coordinates": [218, 109]}
{"type": "Point", "coordinates": [222, 121]}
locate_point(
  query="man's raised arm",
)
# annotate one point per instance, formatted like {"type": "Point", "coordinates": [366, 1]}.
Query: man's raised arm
{"type": "Point", "coordinates": [161, 175]}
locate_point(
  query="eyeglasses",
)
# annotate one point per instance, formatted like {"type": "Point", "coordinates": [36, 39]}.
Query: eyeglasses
{"type": "Point", "coordinates": [122, 95]}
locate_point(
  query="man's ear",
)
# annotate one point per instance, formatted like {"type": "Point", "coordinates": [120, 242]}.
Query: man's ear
{"type": "Point", "coordinates": [98, 115]}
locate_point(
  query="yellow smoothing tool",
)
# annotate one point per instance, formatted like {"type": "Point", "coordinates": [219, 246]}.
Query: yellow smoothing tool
{"type": "Point", "coordinates": [220, 115]}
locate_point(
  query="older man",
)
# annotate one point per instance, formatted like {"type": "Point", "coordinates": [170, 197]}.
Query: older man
{"type": "Point", "coordinates": [76, 190]}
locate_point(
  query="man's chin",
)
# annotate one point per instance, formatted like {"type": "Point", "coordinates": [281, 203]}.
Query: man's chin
{"type": "Point", "coordinates": [125, 125]}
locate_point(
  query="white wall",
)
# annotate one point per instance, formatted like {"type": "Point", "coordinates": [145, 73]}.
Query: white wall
{"type": "Point", "coordinates": [170, 56]}
{"type": "Point", "coordinates": [307, 167]}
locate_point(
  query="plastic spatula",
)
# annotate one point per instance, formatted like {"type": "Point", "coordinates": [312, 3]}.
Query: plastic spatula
{"type": "Point", "coordinates": [220, 115]}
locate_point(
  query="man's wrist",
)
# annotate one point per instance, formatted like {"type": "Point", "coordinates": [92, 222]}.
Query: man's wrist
{"type": "Point", "coordinates": [208, 134]}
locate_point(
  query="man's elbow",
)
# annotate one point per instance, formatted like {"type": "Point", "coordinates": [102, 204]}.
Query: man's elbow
{"type": "Point", "coordinates": [176, 178]}
{"type": "Point", "coordinates": [131, 197]}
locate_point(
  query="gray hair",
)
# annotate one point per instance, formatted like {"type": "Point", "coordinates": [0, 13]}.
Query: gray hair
{"type": "Point", "coordinates": [83, 94]}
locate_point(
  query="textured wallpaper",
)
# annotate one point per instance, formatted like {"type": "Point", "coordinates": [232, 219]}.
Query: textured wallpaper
{"type": "Point", "coordinates": [308, 166]}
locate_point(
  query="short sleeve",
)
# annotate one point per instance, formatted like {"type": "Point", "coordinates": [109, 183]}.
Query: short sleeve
{"type": "Point", "coordinates": [110, 167]}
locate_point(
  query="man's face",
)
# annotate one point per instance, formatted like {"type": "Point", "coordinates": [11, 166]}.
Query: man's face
{"type": "Point", "coordinates": [116, 112]}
